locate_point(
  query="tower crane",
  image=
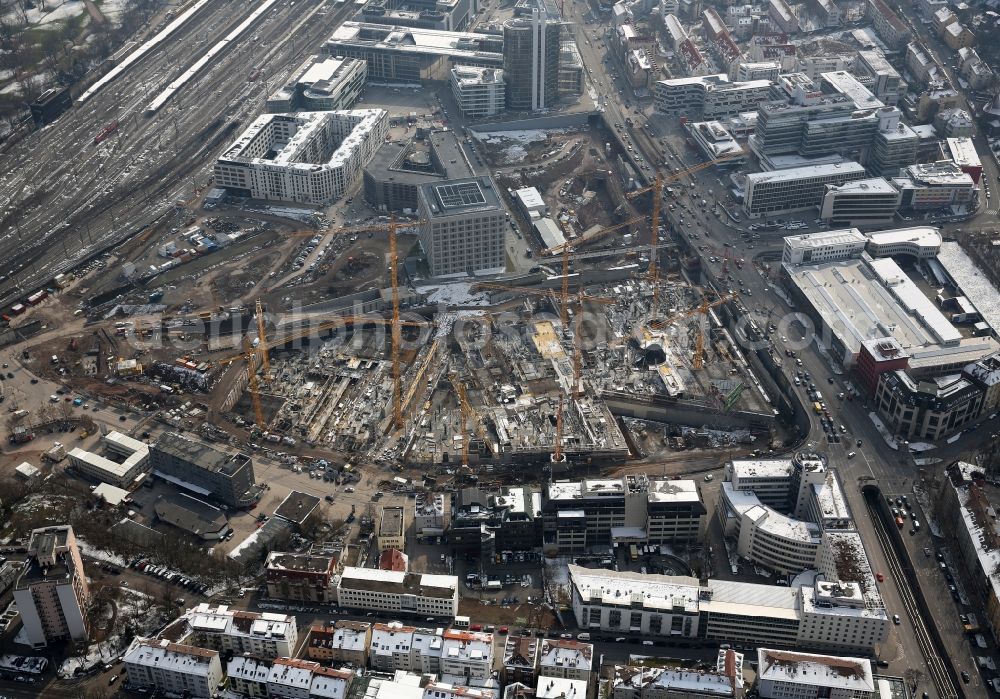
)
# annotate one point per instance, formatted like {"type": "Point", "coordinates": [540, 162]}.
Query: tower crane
{"type": "Point", "coordinates": [262, 341]}
{"type": "Point", "coordinates": [559, 430]}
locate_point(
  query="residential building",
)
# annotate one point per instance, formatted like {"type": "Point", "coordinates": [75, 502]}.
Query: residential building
{"type": "Point", "coordinates": [305, 157]}
{"type": "Point", "coordinates": [391, 529]}
{"type": "Point", "coordinates": [782, 16]}
{"type": "Point", "coordinates": [394, 559]}
{"type": "Point", "coordinates": [568, 659]}
{"type": "Point", "coordinates": [877, 357]}
{"type": "Point", "coordinates": [676, 34]}
{"type": "Point", "coordinates": [265, 634]}
{"type": "Point", "coordinates": [954, 123]}
{"type": "Point", "coordinates": [397, 170]}
{"type": "Point", "coordinates": [132, 460]}
{"type": "Point", "coordinates": [291, 678]}
{"type": "Point", "coordinates": [828, 12]}
{"type": "Point", "coordinates": [478, 92]}
{"type": "Point", "coordinates": [558, 688]}
{"type": "Point", "coordinates": [580, 515]}
{"type": "Point", "coordinates": [887, 84]}
{"type": "Point", "coordinates": [932, 408]}
{"type": "Point", "coordinates": [203, 469]}
{"type": "Point", "coordinates": [520, 659]}
{"type": "Point", "coordinates": [390, 591]}
{"type": "Point", "coordinates": [813, 66]}
{"type": "Point", "coordinates": [344, 642]}
{"type": "Point", "coordinates": [395, 647]}
{"type": "Point", "coordinates": [786, 674]}
{"type": "Point", "coordinates": [957, 36]}
{"type": "Point", "coordinates": [531, 60]}
{"type": "Point", "coordinates": [887, 24]}
{"type": "Point", "coordinates": [407, 54]}
{"type": "Point", "coordinates": [467, 654]}
{"type": "Point", "coordinates": [320, 84]}
{"type": "Point", "coordinates": [795, 189]}
{"type": "Point", "coordinates": [868, 202]}
{"type": "Point", "coordinates": [986, 374]}
{"type": "Point", "coordinates": [429, 516]}
{"type": "Point", "coordinates": [709, 96]}
{"type": "Point", "coordinates": [724, 681]}
{"type": "Point", "coordinates": [173, 668]}
{"type": "Point", "coordinates": [300, 577]}
{"type": "Point", "coordinates": [929, 186]}
{"type": "Point", "coordinates": [464, 227]}
{"type": "Point", "coordinates": [679, 607]}
{"type": "Point", "coordinates": [51, 592]}
{"type": "Point", "coordinates": [937, 97]}
{"type": "Point", "coordinates": [943, 18]}
{"type": "Point", "coordinates": [510, 520]}
{"type": "Point", "coordinates": [921, 64]}
{"type": "Point", "coordinates": [977, 72]}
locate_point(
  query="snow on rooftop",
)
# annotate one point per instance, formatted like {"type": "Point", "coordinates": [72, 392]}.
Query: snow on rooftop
{"type": "Point", "coordinates": [842, 673]}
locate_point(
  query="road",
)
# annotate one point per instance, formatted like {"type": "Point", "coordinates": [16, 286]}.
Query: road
{"type": "Point", "coordinates": [62, 198]}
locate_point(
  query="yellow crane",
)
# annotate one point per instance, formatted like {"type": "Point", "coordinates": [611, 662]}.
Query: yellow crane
{"type": "Point", "coordinates": [262, 341]}
{"type": "Point", "coordinates": [698, 361]}
{"type": "Point", "coordinates": [559, 430]}
{"type": "Point", "coordinates": [464, 410]}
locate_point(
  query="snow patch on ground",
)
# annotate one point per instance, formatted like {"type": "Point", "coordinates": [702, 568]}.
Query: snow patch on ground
{"type": "Point", "coordinates": [455, 294]}
{"type": "Point", "coordinates": [59, 13]}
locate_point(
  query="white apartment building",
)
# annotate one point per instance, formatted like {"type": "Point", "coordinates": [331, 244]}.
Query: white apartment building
{"type": "Point", "coordinates": [307, 157]}
{"type": "Point", "coordinates": [783, 674]}
{"type": "Point", "coordinates": [51, 591]}
{"type": "Point", "coordinates": [467, 654]}
{"type": "Point", "coordinates": [478, 92]}
{"type": "Point", "coordinates": [267, 634]}
{"type": "Point", "coordinates": [395, 646]}
{"type": "Point", "coordinates": [120, 474]}
{"type": "Point", "coordinates": [397, 592]}
{"type": "Point", "coordinates": [566, 658]}
{"type": "Point", "coordinates": [795, 189]}
{"type": "Point", "coordinates": [174, 668]}
{"type": "Point", "coordinates": [710, 96]}
{"type": "Point", "coordinates": [287, 678]}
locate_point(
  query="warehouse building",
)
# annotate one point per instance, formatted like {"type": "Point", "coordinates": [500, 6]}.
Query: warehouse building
{"type": "Point", "coordinates": [306, 157]}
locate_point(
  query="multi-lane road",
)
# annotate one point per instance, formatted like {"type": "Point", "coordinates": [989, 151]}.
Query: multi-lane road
{"type": "Point", "coordinates": [62, 197]}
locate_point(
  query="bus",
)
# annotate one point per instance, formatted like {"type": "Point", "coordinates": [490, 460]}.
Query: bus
{"type": "Point", "coordinates": [817, 408]}
{"type": "Point", "coordinates": [633, 552]}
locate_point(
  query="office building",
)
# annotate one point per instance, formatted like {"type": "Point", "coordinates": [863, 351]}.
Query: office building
{"type": "Point", "coordinates": [344, 642]}
{"type": "Point", "coordinates": [868, 202]}
{"type": "Point", "coordinates": [894, 145]}
{"type": "Point", "coordinates": [320, 84]}
{"type": "Point", "coordinates": [886, 82]}
{"type": "Point", "coordinates": [391, 529]}
{"type": "Point", "coordinates": [306, 157]}
{"type": "Point", "coordinates": [877, 357]}
{"type": "Point", "coordinates": [463, 229]}
{"type": "Point", "coordinates": [478, 92]}
{"type": "Point", "coordinates": [795, 189]}
{"type": "Point", "coordinates": [204, 470]}
{"type": "Point", "coordinates": [930, 186]}
{"type": "Point", "coordinates": [937, 97]}
{"type": "Point", "coordinates": [571, 70]}
{"type": "Point", "coordinates": [395, 592]}
{"type": "Point", "coordinates": [132, 455]}
{"type": "Point", "coordinates": [986, 374]}
{"type": "Point", "coordinates": [567, 659]}
{"type": "Point", "coordinates": [408, 54]}
{"type": "Point", "coordinates": [397, 169]}
{"type": "Point", "coordinates": [887, 24]}
{"type": "Point", "coordinates": [709, 96]}
{"type": "Point", "coordinates": [786, 674]}
{"type": "Point", "coordinates": [51, 591]}
{"type": "Point", "coordinates": [531, 59]}
{"type": "Point", "coordinates": [724, 681]}
{"type": "Point", "coordinates": [580, 515]}
{"type": "Point", "coordinates": [757, 70]}
{"type": "Point", "coordinates": [679, 607]}
{"type": "Point", "coordinates": [446, 15]}
{"type": "Point", "coordinates": [931, 408]}
{"type": "Point", "coordinates": [301, 577]}
{"type": "Point", "coordinates": [963, 153]}
{"type": "Point", "coordinates": [716, 142]}
{"type": "Point", "coordinates": [814, 66]}
{"type": "Point", "coordinates": [483, 523]}
{"type": "Point", "coordinates": [173, 668]}
{"type": "Point", "coordinates": [828, 12]}
{"type": "Point", "coordinates": [429, 515]}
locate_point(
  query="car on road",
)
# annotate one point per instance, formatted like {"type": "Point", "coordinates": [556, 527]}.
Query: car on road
{"type": "Point", "coordinates": [895, 619]}
{"type": "Point", "coordinates": [879, 577]}
{"type": "Point", "coordinates": [965, 677]}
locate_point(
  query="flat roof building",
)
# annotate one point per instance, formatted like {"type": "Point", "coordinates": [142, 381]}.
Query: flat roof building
{"type": "Point", "coordinates": [391, 529]}
{"type": "Point", "coordinates": [204, 470]}
{"type": "Point", "coordinates": [531, 51]}
{"type": "Point", "coordinates": [306, 157]}
{"type": "Point", "coordinates": [173, 668]}
{"type": "Point", "coordinates": [781, 191]}
{"type": "Point", "coordinates": [413, 55]}
{"type": "Point", "coordinates": [940, 185]}
{"type": "Point", "coordinates": [122, 474]}
{"type": "Point", "coordinates": [464, 227]}
{"type": "Point", "coordinates": [192, 515]}
{"type": "Point", "coordinates": [783, 674]}
{"type": "Point", "coordinates": [390, 591]}
{"type": "Point", "coordinates": [716, 142]}
{"type": "Point", "coordinates": [709, 96]}
{"type": "Point", "coordinates": [320, 84]}
{"type": "Point", "coordinates": [867, 202]}
{"type": "Point", "coordinates": [479, 92]}
{"type": "Point", "coordinates": [301, 577]}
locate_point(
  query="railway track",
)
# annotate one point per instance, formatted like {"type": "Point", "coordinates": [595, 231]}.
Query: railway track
{"type": "Point", "coordinates": [935, 664]}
